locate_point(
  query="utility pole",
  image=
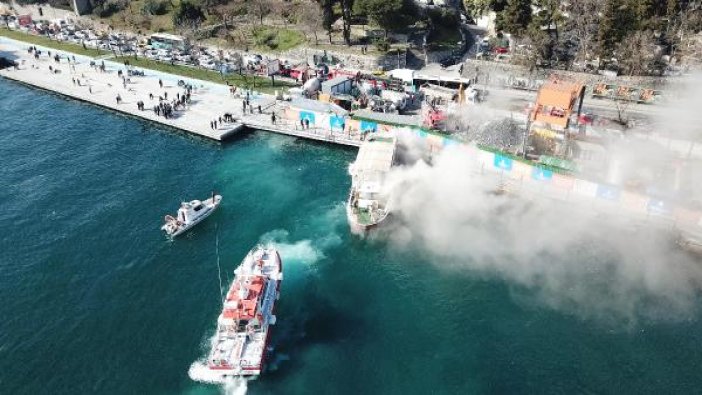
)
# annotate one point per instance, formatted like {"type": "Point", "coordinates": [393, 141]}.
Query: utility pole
{"type": "Point", "coordinates": [526, 135]}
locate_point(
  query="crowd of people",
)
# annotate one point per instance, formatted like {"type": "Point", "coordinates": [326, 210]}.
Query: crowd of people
{"type": "Point", "coordinates": [159, 102]}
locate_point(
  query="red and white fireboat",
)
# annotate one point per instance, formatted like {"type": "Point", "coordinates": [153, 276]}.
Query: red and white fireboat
{"type": "Point", "coordinates": [240, 343]}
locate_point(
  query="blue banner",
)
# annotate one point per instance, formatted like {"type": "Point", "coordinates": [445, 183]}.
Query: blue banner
{"type": "Point", "coordinates": [502, 162]}
{"type": "Point", "coordinates": [448, 142]}
{"type": "Point", "coordinates": [540, 174]}
{"type": "Point", "coordinates": [607, 192]}
{"type": "Point", "coordinates": [336, 122]}
{"type": "Point", "coordinates": [658, 207]}
{"type": "Point", "coordinates": [368, 126]}
{"type": "Point", "coordinates": [307, 115]}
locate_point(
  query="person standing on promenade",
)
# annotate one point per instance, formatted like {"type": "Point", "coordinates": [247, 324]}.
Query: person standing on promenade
{"type": "Point", "coordinates": [273, 117]}
{"type": "Point", "coordinates": [160, 83]}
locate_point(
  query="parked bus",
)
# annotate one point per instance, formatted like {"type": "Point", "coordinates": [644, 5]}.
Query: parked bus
{"type": "Point", "coordinates": [168, 42]}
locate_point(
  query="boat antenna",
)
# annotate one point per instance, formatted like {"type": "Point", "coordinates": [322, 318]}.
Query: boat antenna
{"type": "Point", "coordinates": [219, 267]}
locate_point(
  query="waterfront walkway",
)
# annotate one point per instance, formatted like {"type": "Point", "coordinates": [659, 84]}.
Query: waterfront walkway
{"type": "Point", "coordinates": [208, 101]}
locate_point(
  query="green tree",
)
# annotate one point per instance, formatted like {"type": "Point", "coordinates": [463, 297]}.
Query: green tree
{"type": "Point", "coordinates": [516, 17]}
{"type": "Point", "coordinates": [346, 11]}
{"type": "Point", "coordinates": [327, 17]}
{"type": "Point", "coordinates": [390, 15]}
{"type": "Point", "coordinates": [543, 32]}
{"type": "Point", "coordinates": [617, 20]}
{"type": "Point", "coordinates": [188, 15]}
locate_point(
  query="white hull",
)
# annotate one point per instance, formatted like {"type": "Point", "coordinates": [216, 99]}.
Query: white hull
{"type": "Point", "coordinates": [367, 205]}
{"type": "Point", "coordinates": [240, 344]}
{"type": "Point", "coordinates": [210, 205]}
{"type": "Point", "coordinates": [358, 228]}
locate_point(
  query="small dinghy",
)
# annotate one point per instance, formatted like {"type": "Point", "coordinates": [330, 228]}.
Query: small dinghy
{"type": "Point", "coordinates": [190, 214]}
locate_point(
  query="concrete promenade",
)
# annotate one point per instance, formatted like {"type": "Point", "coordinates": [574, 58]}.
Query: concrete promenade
{"type": "Point", "coordinates": [209, 101]}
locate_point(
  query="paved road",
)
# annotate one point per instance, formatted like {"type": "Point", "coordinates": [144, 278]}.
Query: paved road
{"type": "Point", "coordinates": [517, 100]}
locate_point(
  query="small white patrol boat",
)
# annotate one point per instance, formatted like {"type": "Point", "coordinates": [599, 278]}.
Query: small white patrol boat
{"type": "Point", "coordinates": [190, 214]}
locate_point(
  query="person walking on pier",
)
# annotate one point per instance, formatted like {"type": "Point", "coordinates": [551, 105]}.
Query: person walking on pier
{"type": "Point", "coordinates": [119, 99]}
{"type": "Point", "coordinates": [160, 83]}
{"type": "Point", "coordinates": [272, 117]}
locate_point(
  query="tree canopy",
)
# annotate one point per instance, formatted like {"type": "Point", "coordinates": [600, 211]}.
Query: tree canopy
{"type": "Point", "coordinates": [188, 15]}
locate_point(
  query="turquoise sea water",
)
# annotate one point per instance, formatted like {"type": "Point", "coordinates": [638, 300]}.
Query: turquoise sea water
{"type": "Point", "coordinates": [93, 299]}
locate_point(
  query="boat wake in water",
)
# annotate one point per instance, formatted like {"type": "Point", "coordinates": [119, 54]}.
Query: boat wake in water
{"type": "Point", "coordinates": [232, 386]}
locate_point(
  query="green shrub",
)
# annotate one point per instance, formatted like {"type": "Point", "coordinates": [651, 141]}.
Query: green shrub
{"type": "Point", "coordinates": [383, 44]}
{"type": "Point", "coordinates": [105, 9]}
{"type": "Point", "coordinates": [154, 7]}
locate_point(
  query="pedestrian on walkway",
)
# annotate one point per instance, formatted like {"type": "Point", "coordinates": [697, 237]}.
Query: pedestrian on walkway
{"type": "Point", "coordinates": [273, 118]}
{"type": "Point", "coordinates": [160, 83]}
{"type": "Point", "coordinates": [259, 109]}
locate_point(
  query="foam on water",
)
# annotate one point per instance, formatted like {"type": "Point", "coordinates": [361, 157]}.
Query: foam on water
{"type": "Point", "coordinates": [231, 386]}
{"type": "Point", "coordinates": [298, 251]}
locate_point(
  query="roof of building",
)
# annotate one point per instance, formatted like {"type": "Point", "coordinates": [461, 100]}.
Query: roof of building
{"type": "Point", "coordinates": [317, 106]}
{"type": "Point", "coordinates": [555, 102]}
{"type": "Point", "coordinates": [559, 94]}
{"type": "Point", "coordinates": [388, 119]}
{"type": "Point", "coordinates": [335, 81]}
{"type": "Point", "coordinates": [167, 36]}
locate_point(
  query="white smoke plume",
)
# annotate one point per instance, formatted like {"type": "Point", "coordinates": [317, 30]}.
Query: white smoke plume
{"type": "Point", "coordinates": [678, 115]}
{"type": "Point", "coordinates": [597, 265]}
